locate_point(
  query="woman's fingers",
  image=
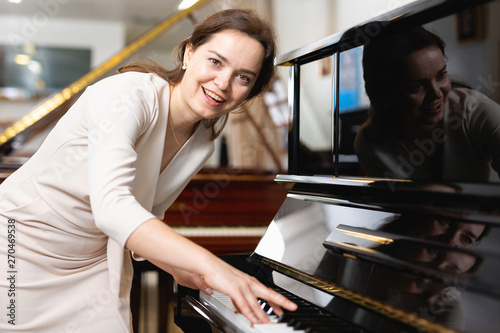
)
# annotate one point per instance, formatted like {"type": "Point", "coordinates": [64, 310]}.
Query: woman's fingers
{"type": "Point", "coordinates": [244, 290]}
{"type": "Point", "coordinates": [250, 307]}
{"type": "Point", "coordinates": [277, 301]}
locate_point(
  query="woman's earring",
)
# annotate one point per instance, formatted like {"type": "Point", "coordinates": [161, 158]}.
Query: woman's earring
{"type": "Point", "coordinates": [184, 66]}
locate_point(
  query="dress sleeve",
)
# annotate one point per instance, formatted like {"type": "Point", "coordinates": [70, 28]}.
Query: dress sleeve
{"type": "Point", "coordinates": [484, 126]}
{"type": "Point", "coordinates": [119, 110]}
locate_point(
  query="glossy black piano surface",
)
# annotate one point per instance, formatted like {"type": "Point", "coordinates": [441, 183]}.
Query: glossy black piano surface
{"type": "Point", "coordinates": [427, 261]}
{"type": "Point", "coordinates": [378, 254]}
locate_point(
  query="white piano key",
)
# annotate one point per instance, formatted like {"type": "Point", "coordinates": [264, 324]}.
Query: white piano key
{"type": "Point", "coordinates": [223, 305]}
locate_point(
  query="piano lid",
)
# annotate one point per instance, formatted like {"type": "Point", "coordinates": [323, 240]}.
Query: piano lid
{"type": "Point", "coordinates": [380, 266]}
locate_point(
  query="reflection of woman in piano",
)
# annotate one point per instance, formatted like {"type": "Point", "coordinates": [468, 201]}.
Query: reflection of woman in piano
{"type": "Point", "coordinates": [430, 243]}
{"type": "Point", "coordinates": [420, 126]}
{"type": "Point", "coordinates": [454, 234]}
{"type": "Point", "coordinates": [100, 183]}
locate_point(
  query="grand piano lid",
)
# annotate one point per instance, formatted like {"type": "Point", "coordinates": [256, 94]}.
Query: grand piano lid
{"type": "Point", "coordinates": [432, 272]}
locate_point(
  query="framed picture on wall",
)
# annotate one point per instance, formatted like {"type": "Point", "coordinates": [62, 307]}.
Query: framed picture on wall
{"type": "Point", "coordinates": [470, 25]}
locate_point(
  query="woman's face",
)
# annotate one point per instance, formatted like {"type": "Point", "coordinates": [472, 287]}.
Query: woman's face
{"type": "Point", "coordinates": [422, 88]}
{"type": "Point", "coordinates": [220, 73]}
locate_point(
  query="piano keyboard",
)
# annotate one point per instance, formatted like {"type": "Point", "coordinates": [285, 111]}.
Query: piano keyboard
{"type": "Point", "coordinates": [306, 319]}
{"type": "Point", "coordinates": [223, 305]}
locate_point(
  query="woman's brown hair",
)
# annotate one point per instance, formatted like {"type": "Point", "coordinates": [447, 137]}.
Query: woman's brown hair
{"type": "Point", "coordinates": [245, 21]}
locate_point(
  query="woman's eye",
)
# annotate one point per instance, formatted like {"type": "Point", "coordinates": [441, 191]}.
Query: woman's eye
{"type": "Point", "coordinates": [214, 62]}
{"type": "Point", "coordinates": [442, 75]}
{"type": "Point", "coordinates": [413, 88]}
{"type": "Point", "coordinates": [432, 252]}
{"type": "Point", "coordinates": [244, 78]}
{"type": "Point", "coordinates": [467, 240]}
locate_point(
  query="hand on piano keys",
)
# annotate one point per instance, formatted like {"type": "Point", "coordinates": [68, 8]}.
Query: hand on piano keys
{"type": "Point", "coordinates": [244, 291]}
{"type": "Point", "coordinates": [307, 319]}
{"type": "Point", "coordinates": [195, 267]}
{"type": "Point", "coordinates": [223, 305]}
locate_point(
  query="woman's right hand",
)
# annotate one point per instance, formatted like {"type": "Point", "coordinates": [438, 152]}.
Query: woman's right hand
{"type": "Point", "coordinates": [190, 280]}
{"type": "Point", "coordinates": [244, 291]}
{"type": "Point", "coordinates": [195, 267]}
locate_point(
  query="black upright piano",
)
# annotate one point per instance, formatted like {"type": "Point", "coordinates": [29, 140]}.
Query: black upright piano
{"type": "Point", "coordinates": [362, 254]}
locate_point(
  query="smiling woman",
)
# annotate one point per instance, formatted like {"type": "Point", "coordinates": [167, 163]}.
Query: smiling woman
{"type": "Point", "coordinates": [419, 127]}
{"type": "Point", "coordinates": [249, 25]}
{"type": "Point", "coordinates": [219, 76]}
{"type": "Point", "coordinates": [96, 190]}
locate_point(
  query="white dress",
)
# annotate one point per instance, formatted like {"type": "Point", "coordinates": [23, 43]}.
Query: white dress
{"type": "Point", "coordinates": [74, 204]}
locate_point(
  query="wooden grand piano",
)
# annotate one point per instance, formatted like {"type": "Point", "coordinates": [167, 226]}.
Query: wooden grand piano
{"type": "Point", "coordinates": [362, 254]}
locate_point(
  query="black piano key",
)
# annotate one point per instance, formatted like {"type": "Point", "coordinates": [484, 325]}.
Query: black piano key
{"type": "Point", "coordinates": [313, 319]}
{"type": "Point", "coordinates": [264, 305]}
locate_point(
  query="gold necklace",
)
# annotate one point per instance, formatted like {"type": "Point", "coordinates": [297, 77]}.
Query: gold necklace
{"type": "Point", "coordinates": [173, 132]}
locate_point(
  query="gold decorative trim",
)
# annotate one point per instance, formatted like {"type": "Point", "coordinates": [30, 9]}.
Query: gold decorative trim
{"type": "Point", "coordinates": [419, 323]}
{"type": "Point", "coordinates": [65, 94]}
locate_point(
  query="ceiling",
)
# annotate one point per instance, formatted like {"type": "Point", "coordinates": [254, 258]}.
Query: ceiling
{"type": "Point", "coordinates": [137, 15]}
{"type": "Point", "coordinates": [118, 10]}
